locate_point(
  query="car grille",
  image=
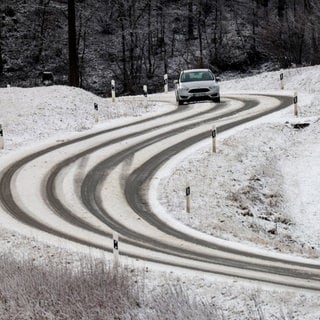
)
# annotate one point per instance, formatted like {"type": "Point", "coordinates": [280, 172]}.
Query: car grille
{"type": "Point", "coordinates": [199, 90]}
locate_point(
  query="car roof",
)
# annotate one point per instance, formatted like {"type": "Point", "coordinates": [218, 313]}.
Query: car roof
{"type": "Point", "coordinates": [196, 70]}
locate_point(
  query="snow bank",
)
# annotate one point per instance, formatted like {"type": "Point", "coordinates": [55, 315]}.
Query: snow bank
{"type": "Point", "coordinates": [29, 115]}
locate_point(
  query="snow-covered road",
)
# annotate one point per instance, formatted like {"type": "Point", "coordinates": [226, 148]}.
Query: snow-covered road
{"type": "Point", "coordinates": [38, 116]}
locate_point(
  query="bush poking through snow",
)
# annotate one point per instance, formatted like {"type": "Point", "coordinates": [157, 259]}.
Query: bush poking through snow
{"type": "Point", "coordinates": [92, 291]}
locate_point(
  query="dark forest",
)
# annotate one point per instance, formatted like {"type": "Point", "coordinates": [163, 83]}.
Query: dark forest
{"type": "Point", "coordinates": [136, 42]}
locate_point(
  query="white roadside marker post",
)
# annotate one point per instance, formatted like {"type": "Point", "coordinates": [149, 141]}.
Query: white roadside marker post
{"type": "Point", "coordinates": [295, 104]}
{"type": "Point", "coordinates": [145, 91]}
{"type": "Point", "coordinates": [281, 81]}
{"type": "Point", "coordinates": [214, 138]}
{"type": "Point", "coordinates": [96, 112]}
{"type": "Point", "coordinates": [115, 250]}
{"type": "Point", "coordinates": [1, 138]}
{"type": "Point", "coordinates": [113, 90]}
{"type": "Point", "coordinates": [188, 196]}
{"type": "Point", "coordinates": [165, 78]}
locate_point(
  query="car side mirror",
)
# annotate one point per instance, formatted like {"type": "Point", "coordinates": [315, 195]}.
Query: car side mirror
{"type": "Point", "coordinates": [217, 79]}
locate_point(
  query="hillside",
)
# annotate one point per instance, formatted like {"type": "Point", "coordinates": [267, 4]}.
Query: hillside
{"type": "Point", "coordinates": [137, 42]}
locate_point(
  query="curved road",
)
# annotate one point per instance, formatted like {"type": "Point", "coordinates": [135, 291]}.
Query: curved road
{"type": "Point", "coordinates": [88, 187]}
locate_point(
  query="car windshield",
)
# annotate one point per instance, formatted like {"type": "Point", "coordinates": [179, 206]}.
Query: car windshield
{"type": "Point", "coordinates": [196, 76]}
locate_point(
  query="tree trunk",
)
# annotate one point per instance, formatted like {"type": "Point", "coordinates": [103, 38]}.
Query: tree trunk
{"type": "Point", "coordinates": [1, 26]}
{"type": "Point", "coordinates": [163, 36]}
{"type": "Point", "coordinates": [42, 32]}
{"type": "Point", "coordinates": [190, 20]}
{"type": "Point", "coordinates": [1, 61]}
{"type": "Point", "coordinates": [132, 32]}
{"type": "Point", "coordinates": [122, 18]}
{"type": "Point", "coordinates": [294, 9]}
{"type": "Point", "coordinates": [265, 5]}
{"type": "Point", "coordinates": [281, 8]}
{"type": "Point", "coordinates": [200, 22]}
{"type": "Point", "coordinates": [255, 25]}
{"type": "Point", "coordinates": [73, 50]}
{"type": "Point", "coordinates": [215, 31]}
{"type": "Point", "coordinates": [315, 48]}
{"type": "Point", "coordinates": [149, 72]}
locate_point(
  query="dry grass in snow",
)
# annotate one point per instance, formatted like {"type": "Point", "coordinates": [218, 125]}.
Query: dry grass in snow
{"type": "Point", "coordinates": [96, 291]}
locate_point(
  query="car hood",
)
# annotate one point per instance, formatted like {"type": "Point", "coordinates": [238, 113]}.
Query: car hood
{"type": "Point", "coordinates": [198, 84]}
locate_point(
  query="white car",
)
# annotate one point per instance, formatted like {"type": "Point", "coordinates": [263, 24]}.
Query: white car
{"type": "Point", "coordinates": [196, 85]}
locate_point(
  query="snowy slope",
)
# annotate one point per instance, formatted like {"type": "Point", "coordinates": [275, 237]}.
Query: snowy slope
{"type": "Point", "coordinates": [261, 187]}
{"type": "Point", "coordinates": [34, 114]}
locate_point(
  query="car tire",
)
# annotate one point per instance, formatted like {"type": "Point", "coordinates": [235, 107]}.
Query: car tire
{"type": "Point", "coordinates": [180, 102]}
{"type": "Point", "coordinates": [217, 100]}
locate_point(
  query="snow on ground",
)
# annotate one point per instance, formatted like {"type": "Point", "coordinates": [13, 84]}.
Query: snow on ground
{"type": "Point", "coordinates": [34, 114]}
{"type": "Point", "coordinates": [256, 189]}
{"type": "Point", "coordinates": [260, 188]}
{"type": "Point", "coordinates": [262, 185]}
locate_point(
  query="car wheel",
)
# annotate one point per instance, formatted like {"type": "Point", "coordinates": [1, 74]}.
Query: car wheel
{"type": "Point", "coordinates": [180, 102]}
{"type": "Point", "coordinates": [216, 99]}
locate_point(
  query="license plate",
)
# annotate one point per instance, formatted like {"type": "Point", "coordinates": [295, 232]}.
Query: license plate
{"type": "Point", "coordinates": [198, 94]}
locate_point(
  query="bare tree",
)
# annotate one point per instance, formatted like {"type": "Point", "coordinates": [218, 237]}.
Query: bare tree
{"type": "Point", "coordinates": [190, 34]}
{"type": "Point", "coordinates": [42, 13]}
{"type": "Point", "coordinates": [281, 8]}
{"type": "Point", "coordinates": [122, 17]}
{"type": "Point", "coordinates": [163, 34]}
{"type": "Point", "coordinates": [265, 5]}
{"type": "Point", "coordinates": [73, 50]}
{"type": "Point", "coordinates": [1, 59]}
{"type": "Point", "coordinates": [217, 25]}
{"type": "Point", "coordinates": [200, 24]}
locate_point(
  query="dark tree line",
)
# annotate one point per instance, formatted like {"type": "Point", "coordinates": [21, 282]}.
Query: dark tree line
{"type": "Point", "coordinates": [137, 41]}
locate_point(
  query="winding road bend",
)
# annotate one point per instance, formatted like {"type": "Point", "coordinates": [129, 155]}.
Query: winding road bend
{"type": "Point", "coordinates": [83, 189]}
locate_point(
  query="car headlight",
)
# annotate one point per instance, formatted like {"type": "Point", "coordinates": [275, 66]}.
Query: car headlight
{"type": "Point", "coordinates": [184, 89]}
{"type": "Point", "coordinates": [213, 87]}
